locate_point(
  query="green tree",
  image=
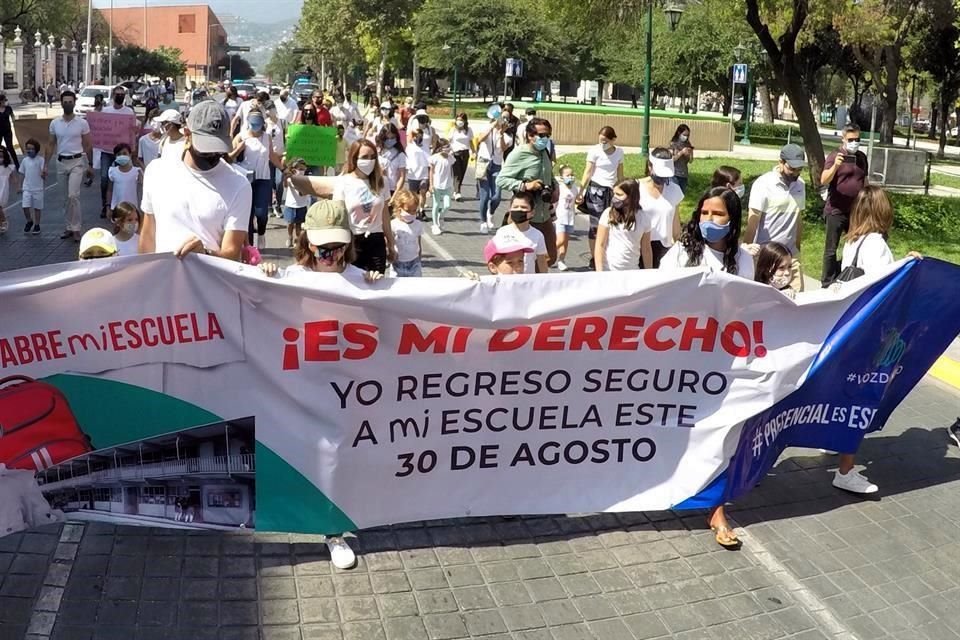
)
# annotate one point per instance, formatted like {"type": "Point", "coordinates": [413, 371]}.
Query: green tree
{"type": "Point", "coordinates": [937, 52]}
{"type": "Point", "coordinates": [329, 29]}
{"type": "Point", "coordinates": [131, 61]}
{"type": "Point", "coordinates": [477, 37]}
{"type": "Point", "coordinates": [169, 62]}
{"type": "Point", "coordinates": [284, 62]}
{"type": "Point", "coordinates": [239, 68]}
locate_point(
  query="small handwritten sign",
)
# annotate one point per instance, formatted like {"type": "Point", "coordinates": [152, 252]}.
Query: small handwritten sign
{"type": "Point", "coordinates": [107, 130]}
{"type": "Point", "coordinates": [316, 145]}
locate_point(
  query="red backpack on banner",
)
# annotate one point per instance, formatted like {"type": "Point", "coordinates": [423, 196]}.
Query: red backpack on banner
{"type": "Point", "coordinates": [37, 426]}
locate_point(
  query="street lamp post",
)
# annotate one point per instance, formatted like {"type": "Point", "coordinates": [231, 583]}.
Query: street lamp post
{"type": "Point", "coordinates": [674, 11]}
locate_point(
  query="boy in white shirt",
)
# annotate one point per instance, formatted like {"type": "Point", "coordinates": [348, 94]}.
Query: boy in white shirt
{"type": "Point", "coordinates": [295, 204]}
{"type": "Point", "coordinates": [31, 168]}
{"type": "Point", "coordinates": [566, 213]}
{"type": "Point", "coordinates": [519, 231]}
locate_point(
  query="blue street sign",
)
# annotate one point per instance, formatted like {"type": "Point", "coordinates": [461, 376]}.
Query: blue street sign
{"type": "Point", "coordinates": [739, 74]}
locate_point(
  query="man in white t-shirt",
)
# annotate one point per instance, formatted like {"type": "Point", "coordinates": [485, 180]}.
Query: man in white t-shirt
{"type": "Point", "coordinates": [201, 205]}
{"type": "Point", "coordinates": [118, 107]}
{"type": "Point", "coordinates": [70, 138]}
{"type": "Point", "coordinates": [777, 200]}
{"type": "Point", "coordinates": [519, 230]}
{"type": "Point", "coordinates": [287, 110]}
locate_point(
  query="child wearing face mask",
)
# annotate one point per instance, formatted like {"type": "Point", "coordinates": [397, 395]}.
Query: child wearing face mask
{"type": "Point", "coordinates": [125, 178]}
{"type": "Point", "coordinates": [33, 172]}
{"type": "Point", "coordinates": [566, 213]}
{"type": "Point", "coordinates": [441, 183]}
{"type": "Point", "coordinates": [418, 171]}
{"type": "Point", "coordinates": [623, 234]}
{"type": "Point", "coordinates": [775, 268]}
{"type": "Point", "coordinates": [407, 231]}
{"type": "Point", "coordinates": [520, 231]}
{"type": "Point", "coordinates": [126, 218]}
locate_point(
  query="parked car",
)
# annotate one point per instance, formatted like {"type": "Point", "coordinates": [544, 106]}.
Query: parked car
{"type": "Point", "coordinates": [89, 93]}
{"type": "Point", "coordinates": [245, 91]}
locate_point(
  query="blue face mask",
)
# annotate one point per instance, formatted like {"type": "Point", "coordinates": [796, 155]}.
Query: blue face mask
{"type": "Point", "coordinates": [541, 144]}
{"type": "Point", "coordinates": [713, 232]}
{"type": "Point", "coordinates": [389, 143]}
{"type": "Point", "coordinates": [256, 124]}
{"type": "Point", "coordinates": [32, 153]}
{"type": "Point", "coordinates": [122, 161]}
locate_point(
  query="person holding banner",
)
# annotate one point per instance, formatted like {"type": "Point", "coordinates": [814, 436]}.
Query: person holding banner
{"type": "Point", "coordinates": [200, 205]}
{"type": "Point", "coordinates": [116, 108]}
{"type": "Point", "coordinates": [361, 187]}
{"type": "Point", "coordinates": [711, 239]}
{"type": "Point", "coordinates": [70, 138]}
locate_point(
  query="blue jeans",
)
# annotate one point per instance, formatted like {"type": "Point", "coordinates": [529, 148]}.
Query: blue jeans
{"type": "Point", "coordinates": [489, 192]}
{"type": "Point", "coordinates": [412, 269]}
{"type": "Point", "coordinates": [106, 161]}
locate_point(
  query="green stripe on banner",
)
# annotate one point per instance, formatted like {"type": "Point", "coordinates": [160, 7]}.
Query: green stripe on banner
{"type": "Point", "coordinates": [113, 413]}
{"type": "Point", "coordinates": [286, 501]}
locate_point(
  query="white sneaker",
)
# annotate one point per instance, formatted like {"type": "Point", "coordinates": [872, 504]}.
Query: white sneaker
{"type": "Point", "coordinates": [457, 197]}
{"type": "Point", "coordinates": [261, 242]}
{"type": "Point", "coordinates": [341, 555]}
{"type": "Point", "coordinates": [289, 243]}
{"type": "Point", "coordinates": [483, 227]}
{"type": "Point", "coordinates": [561, 265]}
{"type": "Point", "coordinates": [490, 224]}
{"type": "Point", "coordinates": [435, 230]}
{"type": "Point", "coordinates": [854, 482]}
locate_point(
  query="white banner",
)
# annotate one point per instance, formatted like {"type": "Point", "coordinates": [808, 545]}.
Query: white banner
{"type": "Point", "coordinates": [414, 399]}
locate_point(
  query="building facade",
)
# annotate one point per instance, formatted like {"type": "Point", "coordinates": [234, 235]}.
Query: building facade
{"type": "Point", "coordinates": [203, 476]}
{"type": "Point", "coordinates": [194, 29]}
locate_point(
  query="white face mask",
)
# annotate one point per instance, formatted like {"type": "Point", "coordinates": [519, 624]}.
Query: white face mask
{"type": "Point", "coordinates": [605, 146]}
{"type": "Point", "coordinates": [366, 165]}
{"type": "Point", "coordinates": [683, 137]}
{"type": "Point", "coordinates": [740, 190]}
{"type": "Point", "coordinates": [130, 227]}
{"type": "Point", "coordinates": [780, 282]}
{"type": "Point", "coordinates": [852, 147]}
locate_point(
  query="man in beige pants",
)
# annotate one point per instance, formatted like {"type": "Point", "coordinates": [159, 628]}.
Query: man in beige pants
{"type": "Point", "coordinates": [70, 137]}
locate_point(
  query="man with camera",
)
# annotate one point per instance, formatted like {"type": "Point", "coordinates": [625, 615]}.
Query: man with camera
{"type": "Point", "coordinates": [529, 169]}
{"type": "Point", "coordinates": [845, 175]}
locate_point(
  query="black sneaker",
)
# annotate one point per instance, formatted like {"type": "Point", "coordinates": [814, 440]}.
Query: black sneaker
{"type": "Point", "coordinates": [36, 230]}
{"type": "Point", "coordinates": [28, 226]}
{"type": "Point", "coordinates": [66, 234]}
{"type": "Point", "coordinates": [954, 432]}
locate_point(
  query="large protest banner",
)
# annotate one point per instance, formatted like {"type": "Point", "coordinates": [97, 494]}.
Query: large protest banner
{"type": "Point", "coordinates": [316, 145]}
{"type": "Point", "coordinates": [415, 399]}
{"type": "Point", "coordinates": [107, 130]}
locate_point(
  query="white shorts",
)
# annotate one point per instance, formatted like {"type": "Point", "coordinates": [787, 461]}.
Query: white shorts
{"type": "Point", "coordinates": [32, 199]}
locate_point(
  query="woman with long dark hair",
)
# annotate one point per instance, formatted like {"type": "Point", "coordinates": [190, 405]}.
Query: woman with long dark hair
{"type": "Point", "coordinates": [461, 141]}
{"type": "Point", "coordinates": [393, 160]}
{"type": "Point", "coordinates": [682, 155]}
{"type": "Point", "coordinates": [711, 238]}
{"type": "Point", "coordinates": [623, 231]}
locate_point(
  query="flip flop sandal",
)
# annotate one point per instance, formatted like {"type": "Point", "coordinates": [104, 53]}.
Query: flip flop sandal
{"type": "Point", "coordinates": [725, 537]}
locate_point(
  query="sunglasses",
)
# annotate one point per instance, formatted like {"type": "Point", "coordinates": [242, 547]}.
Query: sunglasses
{"type": "Point", "coordinates": [329, 252]}
{"type": "Point", "coordinates": [853, 140]}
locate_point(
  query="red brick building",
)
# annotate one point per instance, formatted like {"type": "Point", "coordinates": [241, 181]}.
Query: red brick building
{"type": "Point", "coordinates": [194, 29]}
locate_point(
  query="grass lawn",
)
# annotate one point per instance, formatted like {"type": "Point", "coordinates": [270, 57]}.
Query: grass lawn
{"type": "Point", "coordinates": [926, 221]}
{"type": "Point", "coordinates": [445, 106]}
{"type": "Point", "coordinates": [944, 180]}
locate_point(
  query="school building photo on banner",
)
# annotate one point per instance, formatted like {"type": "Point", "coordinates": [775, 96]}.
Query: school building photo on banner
{"type": "Point", "coordinates": [199, 478]}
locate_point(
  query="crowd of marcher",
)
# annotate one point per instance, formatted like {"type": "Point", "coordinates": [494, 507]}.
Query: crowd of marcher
{"type": "Point", "coordinates": [209, 182]}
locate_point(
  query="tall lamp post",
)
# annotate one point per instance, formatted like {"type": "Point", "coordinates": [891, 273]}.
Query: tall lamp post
{"type": "Point", "coordinates": [446, 50]}
{"type": "Point", "coordinates": [674, 11]}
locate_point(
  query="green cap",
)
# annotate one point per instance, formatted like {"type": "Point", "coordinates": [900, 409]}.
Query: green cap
{"type": "Point", "coordinates": [327, 223]}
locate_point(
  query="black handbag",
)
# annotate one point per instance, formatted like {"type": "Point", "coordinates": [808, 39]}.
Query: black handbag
{"type": "Point", "coordinates": [853, 271]}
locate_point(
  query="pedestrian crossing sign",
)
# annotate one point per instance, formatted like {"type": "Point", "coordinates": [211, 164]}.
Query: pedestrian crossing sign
{"type": "Point", "coordinates": [739, 74]}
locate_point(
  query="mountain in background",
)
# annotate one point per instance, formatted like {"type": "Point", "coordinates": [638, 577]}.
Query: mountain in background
{"type": "Point", "coordinates": [261, 37]}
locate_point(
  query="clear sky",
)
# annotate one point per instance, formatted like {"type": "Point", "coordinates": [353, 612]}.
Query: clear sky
{"type": "Point", "coordinates": [250, 10]}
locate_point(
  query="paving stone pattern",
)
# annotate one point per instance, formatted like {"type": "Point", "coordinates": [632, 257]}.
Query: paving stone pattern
{"type": "Point", "coordinates": [817, 563]}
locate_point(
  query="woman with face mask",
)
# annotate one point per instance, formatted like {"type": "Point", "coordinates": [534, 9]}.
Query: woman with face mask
{"type": "Point", "coordinates": [729, 177]}
{"type": "Point", "coordinates": [393, 159]}
{"type": "Point", "coordinates": [604, 169]}
{"type": "Point", "coordinates": [255, 151]}
{"type": "Point", "coordinates": [363, 190]}
{"type": "Point", "coordinates": [461, 140]}
{"type": "Point", "coordinates": [660, 196]}
{"type": "Point", "coordinates": [682, 155]}
{"type": "Point", "coordinates": [711, 239]}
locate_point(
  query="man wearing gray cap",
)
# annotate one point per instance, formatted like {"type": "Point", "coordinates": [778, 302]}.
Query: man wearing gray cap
{"type": "Point", "coordinates": [202, 204]}
{"type": "Point", "coordinates": [777, 199]}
